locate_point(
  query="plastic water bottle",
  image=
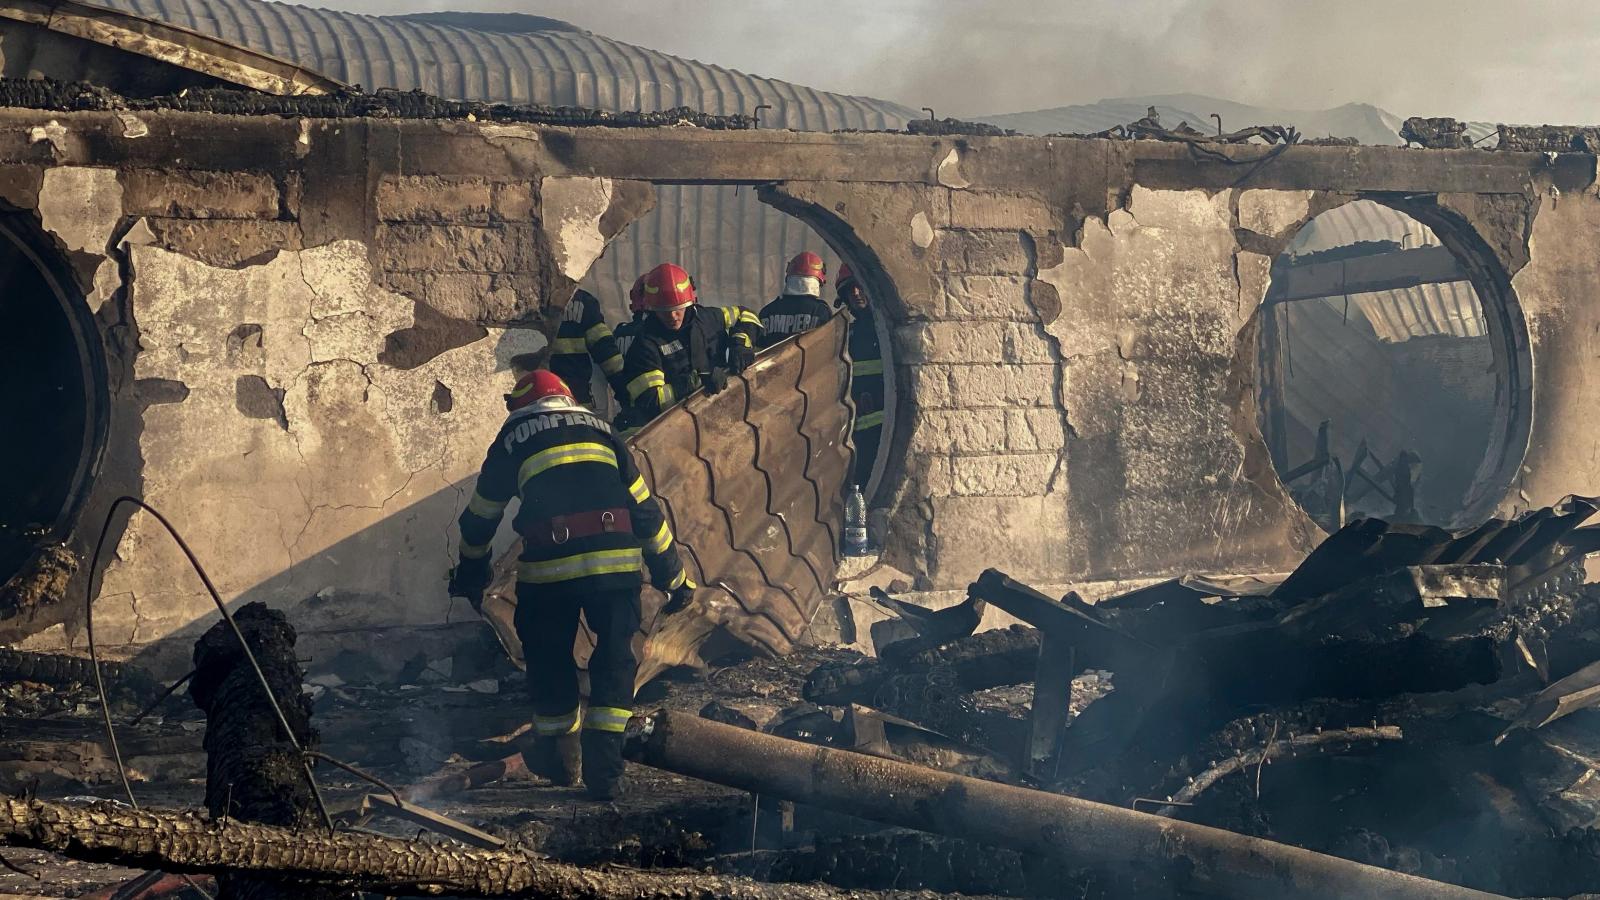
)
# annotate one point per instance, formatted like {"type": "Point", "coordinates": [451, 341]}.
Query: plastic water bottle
{"type": "Point", "coordinates": [855, 523]}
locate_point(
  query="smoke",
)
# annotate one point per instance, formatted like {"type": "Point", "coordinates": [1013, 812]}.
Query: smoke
{"type": "Point", "coordinates": [1473, 59]}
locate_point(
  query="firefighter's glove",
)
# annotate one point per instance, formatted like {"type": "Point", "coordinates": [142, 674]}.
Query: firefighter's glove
{"type": "Point", "coordinates": [469, 579]}
{"type": "Point", "coordinates": [715, 380]}
{"type": "Point", "coordinates": [741, 358]}
{"type": "Point", "coordinates": [678, 598]}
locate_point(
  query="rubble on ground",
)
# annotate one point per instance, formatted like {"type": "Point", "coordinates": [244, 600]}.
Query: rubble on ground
{"type": "Point", "coordinates": [1409, 698]}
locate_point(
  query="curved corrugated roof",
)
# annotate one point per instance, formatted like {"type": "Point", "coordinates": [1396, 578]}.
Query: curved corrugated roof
{"type": "Point", "coordinates": [735, 245]}
{"type": "Point", "coordinates": [1448, 308]}
{"type": "Point", "coordinates": [550, 66]}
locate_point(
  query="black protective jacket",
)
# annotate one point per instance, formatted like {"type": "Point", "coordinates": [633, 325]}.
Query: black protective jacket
{"type": "Point", "coordinates": [866, 371]}
{"type": "Point", "coordinates": [587, 519]}
{"type": "Point", "coordinates": [665, 366]}
{"type": "Point", "coordinates": [790, 315]}
{"type": "Point", "coordinates": [583, 340]}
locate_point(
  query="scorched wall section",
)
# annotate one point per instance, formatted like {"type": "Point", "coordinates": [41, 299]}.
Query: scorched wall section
{"type": "Point", "coordinates": [309, 323]}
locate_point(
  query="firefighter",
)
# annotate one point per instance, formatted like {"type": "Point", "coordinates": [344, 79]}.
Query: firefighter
{"type": "Point", "coordinates": [866, 372]}
{"type": "Point", "coordinates": [583, 341]}
{"type": "Point", "coordinates": [587, 522]}
{"type": "Point", "coordinates": [626, 332]}
{"type": "Point", "coordinates": [800, 308]}
{"type": "Point", "coordinates": [683, 346]}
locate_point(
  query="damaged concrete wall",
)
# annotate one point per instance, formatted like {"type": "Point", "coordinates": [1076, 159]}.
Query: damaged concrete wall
{"type": "Point", "coordinates": [308, 324]}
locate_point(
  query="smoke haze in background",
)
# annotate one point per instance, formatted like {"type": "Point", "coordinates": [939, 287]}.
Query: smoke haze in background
{"type": "Point", "coordinates": [1472, 59]}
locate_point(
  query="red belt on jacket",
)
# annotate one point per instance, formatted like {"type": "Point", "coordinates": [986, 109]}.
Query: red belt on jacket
{"type": "Point", "coordinates": [557, 530]}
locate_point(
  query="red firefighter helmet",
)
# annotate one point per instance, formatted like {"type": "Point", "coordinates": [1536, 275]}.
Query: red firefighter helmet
{"type": "Point", "coordinates": [667, 287]}
{"type": "Point", "coordinates": [845, 276]}
{"type": "Point", "coordinates": [636, 296]}
{"type": "Point", "coordinates": [540, 384]}
{"type": "Point", "coordinates": [810, 265]}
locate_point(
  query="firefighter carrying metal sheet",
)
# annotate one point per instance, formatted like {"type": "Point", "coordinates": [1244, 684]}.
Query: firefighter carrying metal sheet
{"type": "Point", "coordinates": [800, 308]}
{"type": "Point", "coordinates": [588, 523]}
{"type": "Point", "coordinates": [866, 373]}
{"type": "Point", "coordinates": [583, 341]}
{"type": "Point", "coordinates": [683, 346]}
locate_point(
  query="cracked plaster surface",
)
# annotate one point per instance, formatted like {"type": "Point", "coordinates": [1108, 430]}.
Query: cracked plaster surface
{"type": "Point", "coordinates": [1153, 299]}
{"type": "Point", "coordinates": [81, 205]}
{"type": "Point", "coordinates": [355, 498]}
{"type": "Point", "coordinates": [571, 209]}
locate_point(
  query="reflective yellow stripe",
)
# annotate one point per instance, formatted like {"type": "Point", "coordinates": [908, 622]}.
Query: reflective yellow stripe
{"type": "Point", "coordinates": [666, 395]}
{"type": "Point", "coordinates": [662, 540]}
{"type": "Point", "coordinates": [596, 332]}
{"type": "Point", "coordinates": [568, 346]}
{"type": "Point", "coordinates": [552, 726]}
{"type": "Point", "coordinates": [680, 580]}
{"type": "Point", "coordinates": [870, 420]}
{"type": "Point", "coordinates": [607, 718]}
{"type": "Point", "coordinates": [581, 565]}
{"type": "Point", "coordinates": [639, 490]}
{"type": "Point", "coordinates": [564, 455]}
{"type": "Point", "coordinates": [484, 508]}
{"type": "Point", "coordinates": [867, 367]}
{"type": "Point", "coordinates": [729, 316]}
{"type": "Point", "coordinates": [474, 551]}
{"type": "Point", "coordinates": [743, 339]}
{"type": "Point", "coordinates": [612, 365]}
{"type": "Point", "coordinates": [748, 317]}
{"type": "Point", "coordinates": [654, 378]}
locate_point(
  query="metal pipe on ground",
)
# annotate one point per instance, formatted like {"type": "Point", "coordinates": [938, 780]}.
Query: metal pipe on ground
{"type": "Point", "coordinates": [1079, 832]}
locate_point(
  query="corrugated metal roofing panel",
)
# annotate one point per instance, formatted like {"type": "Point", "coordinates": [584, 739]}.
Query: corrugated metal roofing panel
{"type": "Point", "coordinates": [574, 68]}
{"type": "Point", "coordinates": [1446, 308]}
{"type": "Point", "coordinates": [734, 245]}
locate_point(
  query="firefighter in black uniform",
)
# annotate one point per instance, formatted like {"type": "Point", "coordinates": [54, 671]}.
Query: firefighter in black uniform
{"type": "Point", "coordinates": [866, 373]}
{"type": "Point", "coordinates": [627, 331]}
{"type": "Point", "coordinates": [584, 340]}
{"type": "Point", "coordinates": [683, 346]}
{"type": "Point", "coordinates": [588, 523]}
{"type": "Point", "coordinates": [800, 308]}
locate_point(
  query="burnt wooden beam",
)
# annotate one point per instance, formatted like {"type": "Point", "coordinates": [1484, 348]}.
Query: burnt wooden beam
{"type": "Point", "coordinates": [184, 842]}
{"type": "Point", "coordinates": [1053, 826]}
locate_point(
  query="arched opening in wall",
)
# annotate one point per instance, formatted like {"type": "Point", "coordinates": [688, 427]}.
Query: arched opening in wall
{"type": "Point", "coordinates": [1390, 381]}
{"type": "Point", "coordinates": [51, 376]}
{"type": "Point", "coordinates": [736, 248]}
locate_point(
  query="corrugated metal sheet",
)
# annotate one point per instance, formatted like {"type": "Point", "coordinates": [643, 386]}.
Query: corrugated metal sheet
{"type": "Point", "coordinates": [754, 489]}
{"type": "Point", "coordinates": [572, 68]}
{"type": "Point", "coordinates": [733, 244]}
{"type": "Point", "coordinates": [1451, 308]}
{"type": "Point", "coordinates": [1361, 220]}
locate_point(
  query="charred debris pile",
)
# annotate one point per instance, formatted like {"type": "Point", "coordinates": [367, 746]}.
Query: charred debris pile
{"type": "Point", "coordinates": [1407, 714]}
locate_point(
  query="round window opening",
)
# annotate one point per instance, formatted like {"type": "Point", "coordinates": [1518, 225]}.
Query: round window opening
{"type": "Point", "coordinates": [1390, 386]}
{"type": "Point", "coordinates": [53, 383]}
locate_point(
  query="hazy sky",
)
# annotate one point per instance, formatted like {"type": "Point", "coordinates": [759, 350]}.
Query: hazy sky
{"type": "Point", "coordinates": [1503, 60]}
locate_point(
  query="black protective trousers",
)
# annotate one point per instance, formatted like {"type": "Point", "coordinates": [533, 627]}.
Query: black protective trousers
{"type": "Point", "coordinates": [548, 625]}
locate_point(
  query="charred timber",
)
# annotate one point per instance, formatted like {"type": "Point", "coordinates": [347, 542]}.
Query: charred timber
{"type": "Point", "coordinates": [61, 670]}
{"type": "Point", "coordinates": [254, 771]}
{"type": "Point", "coordinates": [1052, 826]}
{"type": "Point", "coordinates": [185, 842]}
{"type": "Point", "coordinates": [985, 660]}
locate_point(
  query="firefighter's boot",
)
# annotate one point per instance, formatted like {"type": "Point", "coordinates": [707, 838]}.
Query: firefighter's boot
{"type": "Point", "coordinates": [557, 759]}
{"type": "Point", "coordinates": [602, 764]}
